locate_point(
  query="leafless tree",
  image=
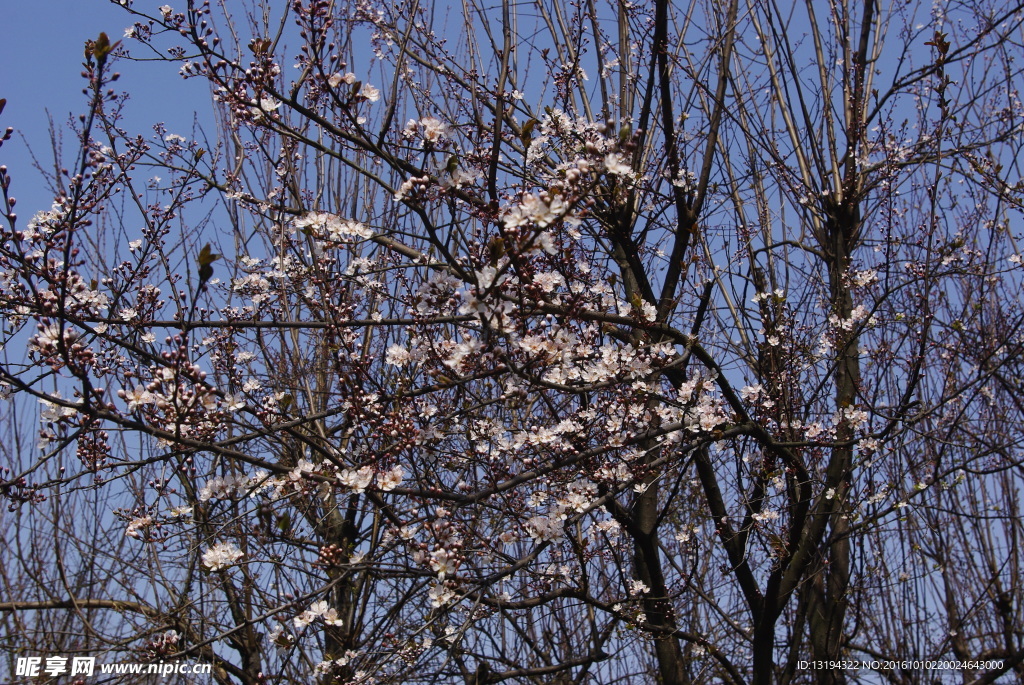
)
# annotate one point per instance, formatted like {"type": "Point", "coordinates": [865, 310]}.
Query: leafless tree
{"type": "Point", "coordinates": [541, 342]}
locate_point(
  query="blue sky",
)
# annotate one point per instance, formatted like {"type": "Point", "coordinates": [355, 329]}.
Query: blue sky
{"type": "Point", "coordinates": [42, 43]}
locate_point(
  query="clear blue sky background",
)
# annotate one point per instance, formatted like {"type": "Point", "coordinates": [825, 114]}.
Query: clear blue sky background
{"type": "Point", "coordinates": [41, 43]}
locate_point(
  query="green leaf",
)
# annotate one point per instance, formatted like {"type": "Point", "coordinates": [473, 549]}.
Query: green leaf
{"type": "Point", "coordinates": [100, 48]}
{"type": "Point", "coordinates": [526, 135]}
{"type": "Point", "coordinates": [496, 249]}
{"type": "Point", "coordinates": [207, 256]}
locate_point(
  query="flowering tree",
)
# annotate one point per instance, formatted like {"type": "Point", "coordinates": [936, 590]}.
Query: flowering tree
{"type": "Point", "coordinates": [540, 342]}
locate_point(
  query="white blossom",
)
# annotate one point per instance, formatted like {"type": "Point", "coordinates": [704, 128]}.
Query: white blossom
{"type": "Point", "coordinates": [356, 479]}
{"type": "Point", "coordinates": [616, 164]}
{"type": "Point", "coordinates": [443, 562]}
{"type": "Point", "coordinates": [391, 479]}
{"type": "Point", "coordinates": [440, 595]}
{"type": "Point", "coordinates": [221, 555]}
{"type": "Point", "coordinates": [749, 393]}
{"type": "Point", "coordinates": [136, 525]}
{"type": "Point", "coordinates": [397, 355]}
{"type": "Point", "coordinates": [536, 210]}
{"type": "Point", "coordinates": [138, 397]}
{"type": "Point", "coordinates": [547, 281]}
{"type": "Point", "coordinates": [369, 92]}
{"type": "Point", "coordinates": [233, 402]}
{"type": "Point", "coordinates": [544, 529]}
{"type": "Point", "coordinates": [766, 515]}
